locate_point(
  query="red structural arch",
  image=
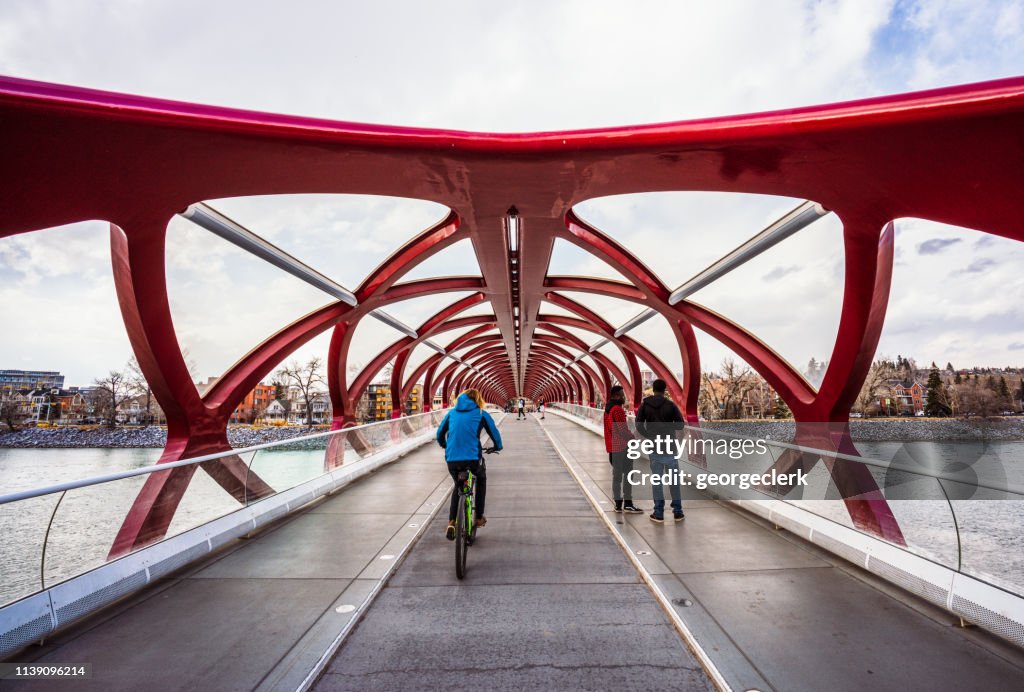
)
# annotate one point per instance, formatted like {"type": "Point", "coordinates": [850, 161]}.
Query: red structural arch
{"type": "Point", "coordinates": [868, 161]}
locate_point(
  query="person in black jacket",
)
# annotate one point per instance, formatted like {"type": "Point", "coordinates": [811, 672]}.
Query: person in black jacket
{"type": "Point", "coordinates": [658, 417]}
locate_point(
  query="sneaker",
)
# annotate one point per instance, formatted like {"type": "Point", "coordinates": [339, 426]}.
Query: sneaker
{"type": "Point", "coordinates": [678, 516]}
{"type": "Point", "coordinates": [618, 506]}
{"type": "Point", "coordinates": [481, 522]}
{"type": "Point", "coordinates": [656, 519]}
{"type": "Point", "coordinates": [631, 508]}
{"type": "Point", "coordinates": [449, 533]}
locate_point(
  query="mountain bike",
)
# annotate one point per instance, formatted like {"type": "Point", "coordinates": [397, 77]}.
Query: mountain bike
{"type": "Point", "coordinates": [465, 516]}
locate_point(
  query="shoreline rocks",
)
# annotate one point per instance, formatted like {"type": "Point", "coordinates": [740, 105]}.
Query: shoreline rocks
{"type": "Point", "coordinates": [871, 430]}
{"type": "Point", "coordinates": [893, 429]}
{"type": "Point", "coordinates": [153, 436]}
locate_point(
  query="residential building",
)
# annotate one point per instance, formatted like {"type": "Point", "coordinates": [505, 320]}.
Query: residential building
{"type": "Point", "coordinates": [414, 404]}
{"type": "Point", "coordinates": [320, 405]}
{"type": "Point", "coordinates": [54, 406]}
{"type": "Point", "coordinates": [378, 402]}
{"type": "Point", "coordinates": [902, 398]}
{"type": "Point", "coordinates": [276, 413]}
{"type": "Point", "coordinates": [253, 406]}
{"type": "Point", "coordinates": [17, 380]}
{"type": "Point", "coordinates": [203, 387]}
{"type": "Point", "coordinates": [141, 409]}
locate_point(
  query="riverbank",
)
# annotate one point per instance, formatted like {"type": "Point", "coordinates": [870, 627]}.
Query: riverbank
{"type": "Point", "coordinates": [153, 436]}
{"type": "Point", "coordinates": [872, 430]}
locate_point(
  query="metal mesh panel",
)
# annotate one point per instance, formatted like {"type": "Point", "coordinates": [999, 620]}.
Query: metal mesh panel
{"type": "Point", "coordinates": [99, 598]}
{"type": "Point", "coordinates": [911, 582]}
{"type": "Point", "coordinates": [994, 622]}
{"type": "Point", "coordinates": [23, 635]}
{"type": "Point", "coordinates": [854, 555]}
{"type": "Point", "coordinates": [168, 565]}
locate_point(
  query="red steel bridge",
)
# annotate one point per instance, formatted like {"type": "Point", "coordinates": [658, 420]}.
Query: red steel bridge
{"type": "Point", "coordinates": [952, 155]}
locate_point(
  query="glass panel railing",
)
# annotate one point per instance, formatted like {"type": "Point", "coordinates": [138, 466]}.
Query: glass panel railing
{"type": "Point", "coordinates": [24, 525]}
{"type": "Point", "coordinates": [55, 533]}
{"type": "Point", "coordinates": [75, 545]}
{"type": "Point", "coordinates": [956, 505]}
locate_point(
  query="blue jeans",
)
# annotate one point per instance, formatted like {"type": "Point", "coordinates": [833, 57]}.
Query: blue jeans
{"type": "Point", "coordinates": [660, 465]}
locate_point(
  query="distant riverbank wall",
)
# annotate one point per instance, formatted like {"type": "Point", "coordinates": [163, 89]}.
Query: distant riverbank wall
{"type": "Point", "coordinates": [892, 429]}
{"type": "Point", "coordinates": [872, 430]}
{"type": "Point", "coordinates": [153, 436]}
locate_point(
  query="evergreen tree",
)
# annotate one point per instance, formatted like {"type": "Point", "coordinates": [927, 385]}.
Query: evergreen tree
{"type": "Point", "coordinates": [949, 367]}
{"type": "Point", "coordinates": [1004, 389]}
{"type": "Point", "coordinates": [782, 409]}
{"type": "Point", "coordinates": [957, 379]}
{"type": "Point", "coordinates": [936, 394]}
{"type": "Point", "coordinates": [990, 382]}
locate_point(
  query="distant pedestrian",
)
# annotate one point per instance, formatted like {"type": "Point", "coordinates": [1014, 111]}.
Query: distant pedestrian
{"type": "Point", "coordinates": [616, 439]}
{"type": "Point", "coordinates": [659, 418]}
{"type": "Point", "coordinates": [540, 407]}
{"type": "Point", "coordinates": [522, 410]}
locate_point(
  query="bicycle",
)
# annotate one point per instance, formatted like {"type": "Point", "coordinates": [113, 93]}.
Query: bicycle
{"type": "Point", "coordinates": [465, 516]}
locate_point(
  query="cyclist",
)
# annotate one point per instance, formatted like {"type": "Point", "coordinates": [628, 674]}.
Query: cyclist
{"type": "Point", "coordinates": [459, 435]}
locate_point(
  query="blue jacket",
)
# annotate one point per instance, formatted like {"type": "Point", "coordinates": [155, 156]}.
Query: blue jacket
{"type": "Point", "coordinates": [459, 432]}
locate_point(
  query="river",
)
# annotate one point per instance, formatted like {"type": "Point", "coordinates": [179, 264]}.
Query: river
{"type": "Point", "coordinates": [990, 532]}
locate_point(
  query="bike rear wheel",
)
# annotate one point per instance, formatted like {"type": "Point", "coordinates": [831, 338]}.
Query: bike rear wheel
{"type": "Point", "coordinates": [461, 541]}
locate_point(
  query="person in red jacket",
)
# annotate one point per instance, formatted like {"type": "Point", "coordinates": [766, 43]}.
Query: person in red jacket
{"type": "Point", "coordinates": [616, 437]}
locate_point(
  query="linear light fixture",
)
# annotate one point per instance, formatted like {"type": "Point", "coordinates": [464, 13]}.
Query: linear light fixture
{"type": "Point", "coordinates": [797, 219]}
{"type": "Point", "coordinates": [512, 228]}
{"type": "Point", "coordinates": [394, 323]}
{"type": "Point", "coordinates": [636, 321]}
{"type": "Point", "coordinates": [220, 225]}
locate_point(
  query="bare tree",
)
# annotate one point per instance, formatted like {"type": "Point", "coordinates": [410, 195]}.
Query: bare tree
{"type": "Point", "coordinates": [723, 393]}
{"type": "Point", "coordinates": [760, 396]}
{"type": "Point", "coordinates": [738, 381]}
{"type": "Point", "coordinates": [881, 371]}
{"type": "Point", "coordinates": [12, 411]}
{"type": "Point", "coordinates": [113, 390]}
{"type": "Point", "coordinates": [978, 400]}
{"type": "Point", "coordinates": [138, 383]}
{"type": "Point", "coordinates": [708, 402]}
{"type": "Point", "coordinates": [305, 378]}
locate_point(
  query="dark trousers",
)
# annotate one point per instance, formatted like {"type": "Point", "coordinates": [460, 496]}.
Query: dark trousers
{"type": "Point", "coordinates": [621, 466]}
{"type": "Point", "coordinates": [480, 472]}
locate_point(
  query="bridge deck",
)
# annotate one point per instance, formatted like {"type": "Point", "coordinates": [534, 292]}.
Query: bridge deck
{"type": "Point", "coordinates": [774, 611]}
{"type": "Point", "coordinates": [550, 599]}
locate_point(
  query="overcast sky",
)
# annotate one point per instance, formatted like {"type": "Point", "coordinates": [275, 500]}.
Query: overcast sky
{"type": "Point", "coordinates": [510, 67]}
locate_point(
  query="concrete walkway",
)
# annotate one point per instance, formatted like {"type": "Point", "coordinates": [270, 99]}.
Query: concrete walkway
{"type": "Point", "coordinates": [550, 600]}
{"type": "Point", "coordinates": [775, 612]}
